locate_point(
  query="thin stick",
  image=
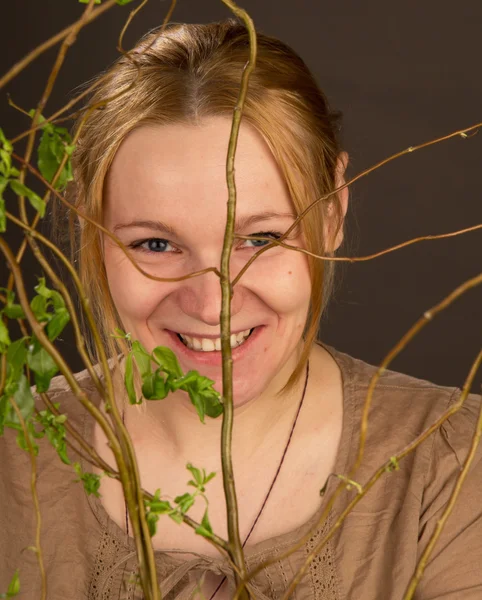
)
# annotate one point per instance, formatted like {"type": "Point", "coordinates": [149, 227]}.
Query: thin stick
{"type": "Point", "coordinates": [111, 235]}
{"type": "Point", "coordinates": [353, 259]}
{"type": "Point", "coordinates": [132, 55]}
{"type": "Point", "coordinates": [94, 459]}
{"type": "Point", "coordinates": [36, 52]}
{"type": "Point", "coordinates": [422, 563]}
{"type": "Point", "coordinates": [461, 132]}
{"type": "Point", "coordinates": [384, 469]}
{"type": "Point", "coordinates": [399, 347]}
{"type": "Point", "coordinates": [33, 488]}
{"type": "Point", "coordinates": [66, 44]}
{"type": "Point", "coordinates": [236, 547]}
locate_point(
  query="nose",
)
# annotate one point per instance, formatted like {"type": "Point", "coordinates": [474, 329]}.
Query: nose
{"type": "Point", "coordinates": [201, 298]}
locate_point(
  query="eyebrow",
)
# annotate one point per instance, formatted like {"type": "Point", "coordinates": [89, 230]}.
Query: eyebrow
{"type": "Point", "coordinates": [241, 222]}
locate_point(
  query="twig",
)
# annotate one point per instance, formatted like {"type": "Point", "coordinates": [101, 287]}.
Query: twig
{"type": "Point", "coordinates": [414, 581]}
{"type": "Point", "coordinates": [384, 469]}
{"type": "Point", "coordinates": [33, 487]}
{"type": "Point", "coordinates": [353, 259]}
{"type": "Point", "coordinates": [111, 235]}
{"type": "Point", "coordinates": [461, 132]}
{"type": "Point", "coordinates": [236, 548]}
{"type": "Point", "coordinates": [36, 52]}
{"type": "Point", "coordinates": [403, 342]}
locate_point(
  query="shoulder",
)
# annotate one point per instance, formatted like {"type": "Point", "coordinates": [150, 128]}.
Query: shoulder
{"type": "Point", "coordinates": [403, 407]}
{"type": "Point", "coordinates": [396, 398]}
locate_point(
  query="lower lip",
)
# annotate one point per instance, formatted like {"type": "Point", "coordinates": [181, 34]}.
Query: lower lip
{"type": "Point", "coordinates": [214, 358]}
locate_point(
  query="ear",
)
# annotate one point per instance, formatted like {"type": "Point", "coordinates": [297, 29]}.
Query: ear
{"type": "Point", "coordinates": [330, 222]}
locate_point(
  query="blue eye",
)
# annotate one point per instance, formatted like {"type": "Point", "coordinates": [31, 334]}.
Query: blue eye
{"type": "Point", "coordinates": [260, 243]}
{"type": "Point", "coordinates": [158, 245]}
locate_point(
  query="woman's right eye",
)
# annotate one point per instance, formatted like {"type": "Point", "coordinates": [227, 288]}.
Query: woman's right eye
{"type": "Point", "coordinates": [154, 245]}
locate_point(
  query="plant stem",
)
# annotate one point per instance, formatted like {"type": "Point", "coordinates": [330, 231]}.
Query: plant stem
{"type": "Point", "coordinates": [33, 487]}
{"type": "Point", "coordinates": [236, 548]}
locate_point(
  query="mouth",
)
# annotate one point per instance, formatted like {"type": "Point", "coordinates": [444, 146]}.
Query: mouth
{"type": "Point", "coordinates": [205, 352]}
{"type": "Point", "coordinates": [214, 345]}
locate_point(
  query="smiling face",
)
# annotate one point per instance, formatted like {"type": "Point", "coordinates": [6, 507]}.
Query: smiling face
{"type": "Point", "coordinates": [171, 180]}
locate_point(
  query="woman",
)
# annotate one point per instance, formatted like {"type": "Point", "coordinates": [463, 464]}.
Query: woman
{"type": "Point", "coordinates": [151, 167]}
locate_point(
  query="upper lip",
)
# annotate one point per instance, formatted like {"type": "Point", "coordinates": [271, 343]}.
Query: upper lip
{"type": "Point", "coordinates": [210, 337]}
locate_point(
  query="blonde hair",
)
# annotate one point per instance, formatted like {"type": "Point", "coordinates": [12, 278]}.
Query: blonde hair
{"type": "Point", "coordinates": [193, 71]}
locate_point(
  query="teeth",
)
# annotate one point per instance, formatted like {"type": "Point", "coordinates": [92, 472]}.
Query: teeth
{"type": "Point", "coordinates": [209, 345]}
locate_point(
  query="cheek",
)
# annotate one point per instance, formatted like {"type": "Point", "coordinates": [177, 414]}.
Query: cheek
{"type": "Point", "coordinates": [282, 282]}
{"type": "Point", "coordinates": [134, 295]}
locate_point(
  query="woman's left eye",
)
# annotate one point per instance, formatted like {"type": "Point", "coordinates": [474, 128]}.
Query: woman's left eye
{"type": "Point", "coordinates": [158, 246]}
{"type": "Point", "coordinates": [260, 243]}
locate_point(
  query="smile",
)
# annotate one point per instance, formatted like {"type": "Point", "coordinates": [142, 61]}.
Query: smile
{"type": "Point", "coordinates": [213, 345]}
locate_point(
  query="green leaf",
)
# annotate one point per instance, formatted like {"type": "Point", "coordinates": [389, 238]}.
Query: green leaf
{"type": "Point", "coordinates": [196, 473]}
{"type": "Point", "coordinates": [91, 481]}
{"type": "Point", "coordinates": [205, 528]}
{"type": "Point", "coordinates": [152, 519]}
{"type": "Point", "coordinates": [14, 586]}
{"type": "Point", "coordinates": [124, 2]}
{"type": "Point", "coordinates": [21, 441]}
{"type": "Point", "coordinates": [176, 517]}
{"type": "Point", "coordinates": [53, 427]}
{"type": "Point", "coordinates": [22, 190]}
{"type": "Point", "coordinates": [167, 360]}
{"type": "Point", "coordinates": [4, 335]}
{"type": "Point", "coordinates": [197, 402]}
{"type": "Point", "coordinates": [208, 478]}
{"type": "Point", "coordinates": [184, 502]}
{"type": "Point", "coordinates": [12, 310]}
{"type": "Point", "coordinates": [24, 399]}
{"type": "Point", "coordinates": [3, 210]}
{"type": "Point", "coordinates": [129, 381]}
{"type": "Point", "coordinates": [142, 358]}
{"type": "Point", "coordinates": [43, 365]}
{"type": "Point", "coordinates": [154, 387]}
{"type": "Point", "coordinates": [57, 323]}
{"type": "Point", "coordinates": [16, 358]}
{"type": "Point", "coordinates": [44, 291]}
{"type": "Point", "coordinates": [39, 306]}
{"type": "Point", "coordinates": [55, 144]}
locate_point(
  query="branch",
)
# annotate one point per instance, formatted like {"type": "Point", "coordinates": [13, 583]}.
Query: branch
{"type": "Point", "coordinates": [33, 487]}
{"type": "Point", "coordinates": [448, 509]}
{"type": "Point", "coordinates": [402, 343]}
{"type": "Point", "coordinates": [31, 56]}
{"type": "Point", "coordinates": [108, 233]}
{"type": "Point", "coordinates": [386, 468]}
{"type": "Point", "coordinates": [360, 258]}
{"type": "Point", "coordinates": [461, 132]}
{"type": "Point", "coordinates": [236, 548]}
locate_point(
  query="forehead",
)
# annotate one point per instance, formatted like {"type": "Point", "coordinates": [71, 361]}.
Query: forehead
{"type": "Point", "coordinates": [175, 168]}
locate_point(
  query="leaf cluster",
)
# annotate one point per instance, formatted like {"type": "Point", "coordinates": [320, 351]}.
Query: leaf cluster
{"type": "Point", "coordinates": [157, 506]}
{"type": "Point", "coordinates": [55, 143]}
{"type": "Point", "coordinates": [168, 377]}
{"type": "Point", "coordinates": [9, 176]}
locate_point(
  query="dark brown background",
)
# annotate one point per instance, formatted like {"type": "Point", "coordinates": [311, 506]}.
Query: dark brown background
{"type": "Point", "coordinates": [402, 73]}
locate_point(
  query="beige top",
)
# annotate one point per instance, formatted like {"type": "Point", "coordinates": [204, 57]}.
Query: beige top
{"type": "Point", "coordinates": [371, 556]}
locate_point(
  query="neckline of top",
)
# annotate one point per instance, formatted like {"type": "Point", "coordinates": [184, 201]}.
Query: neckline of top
{"type": "Point", "coordinates": [345, 364]}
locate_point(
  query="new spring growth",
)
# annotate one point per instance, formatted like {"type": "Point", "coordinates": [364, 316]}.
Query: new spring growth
{"type": "Point", "coordinates": [167, 377]}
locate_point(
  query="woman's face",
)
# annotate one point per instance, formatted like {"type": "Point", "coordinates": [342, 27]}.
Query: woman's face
{"type": "Point", "coordinates": [166, 199]}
